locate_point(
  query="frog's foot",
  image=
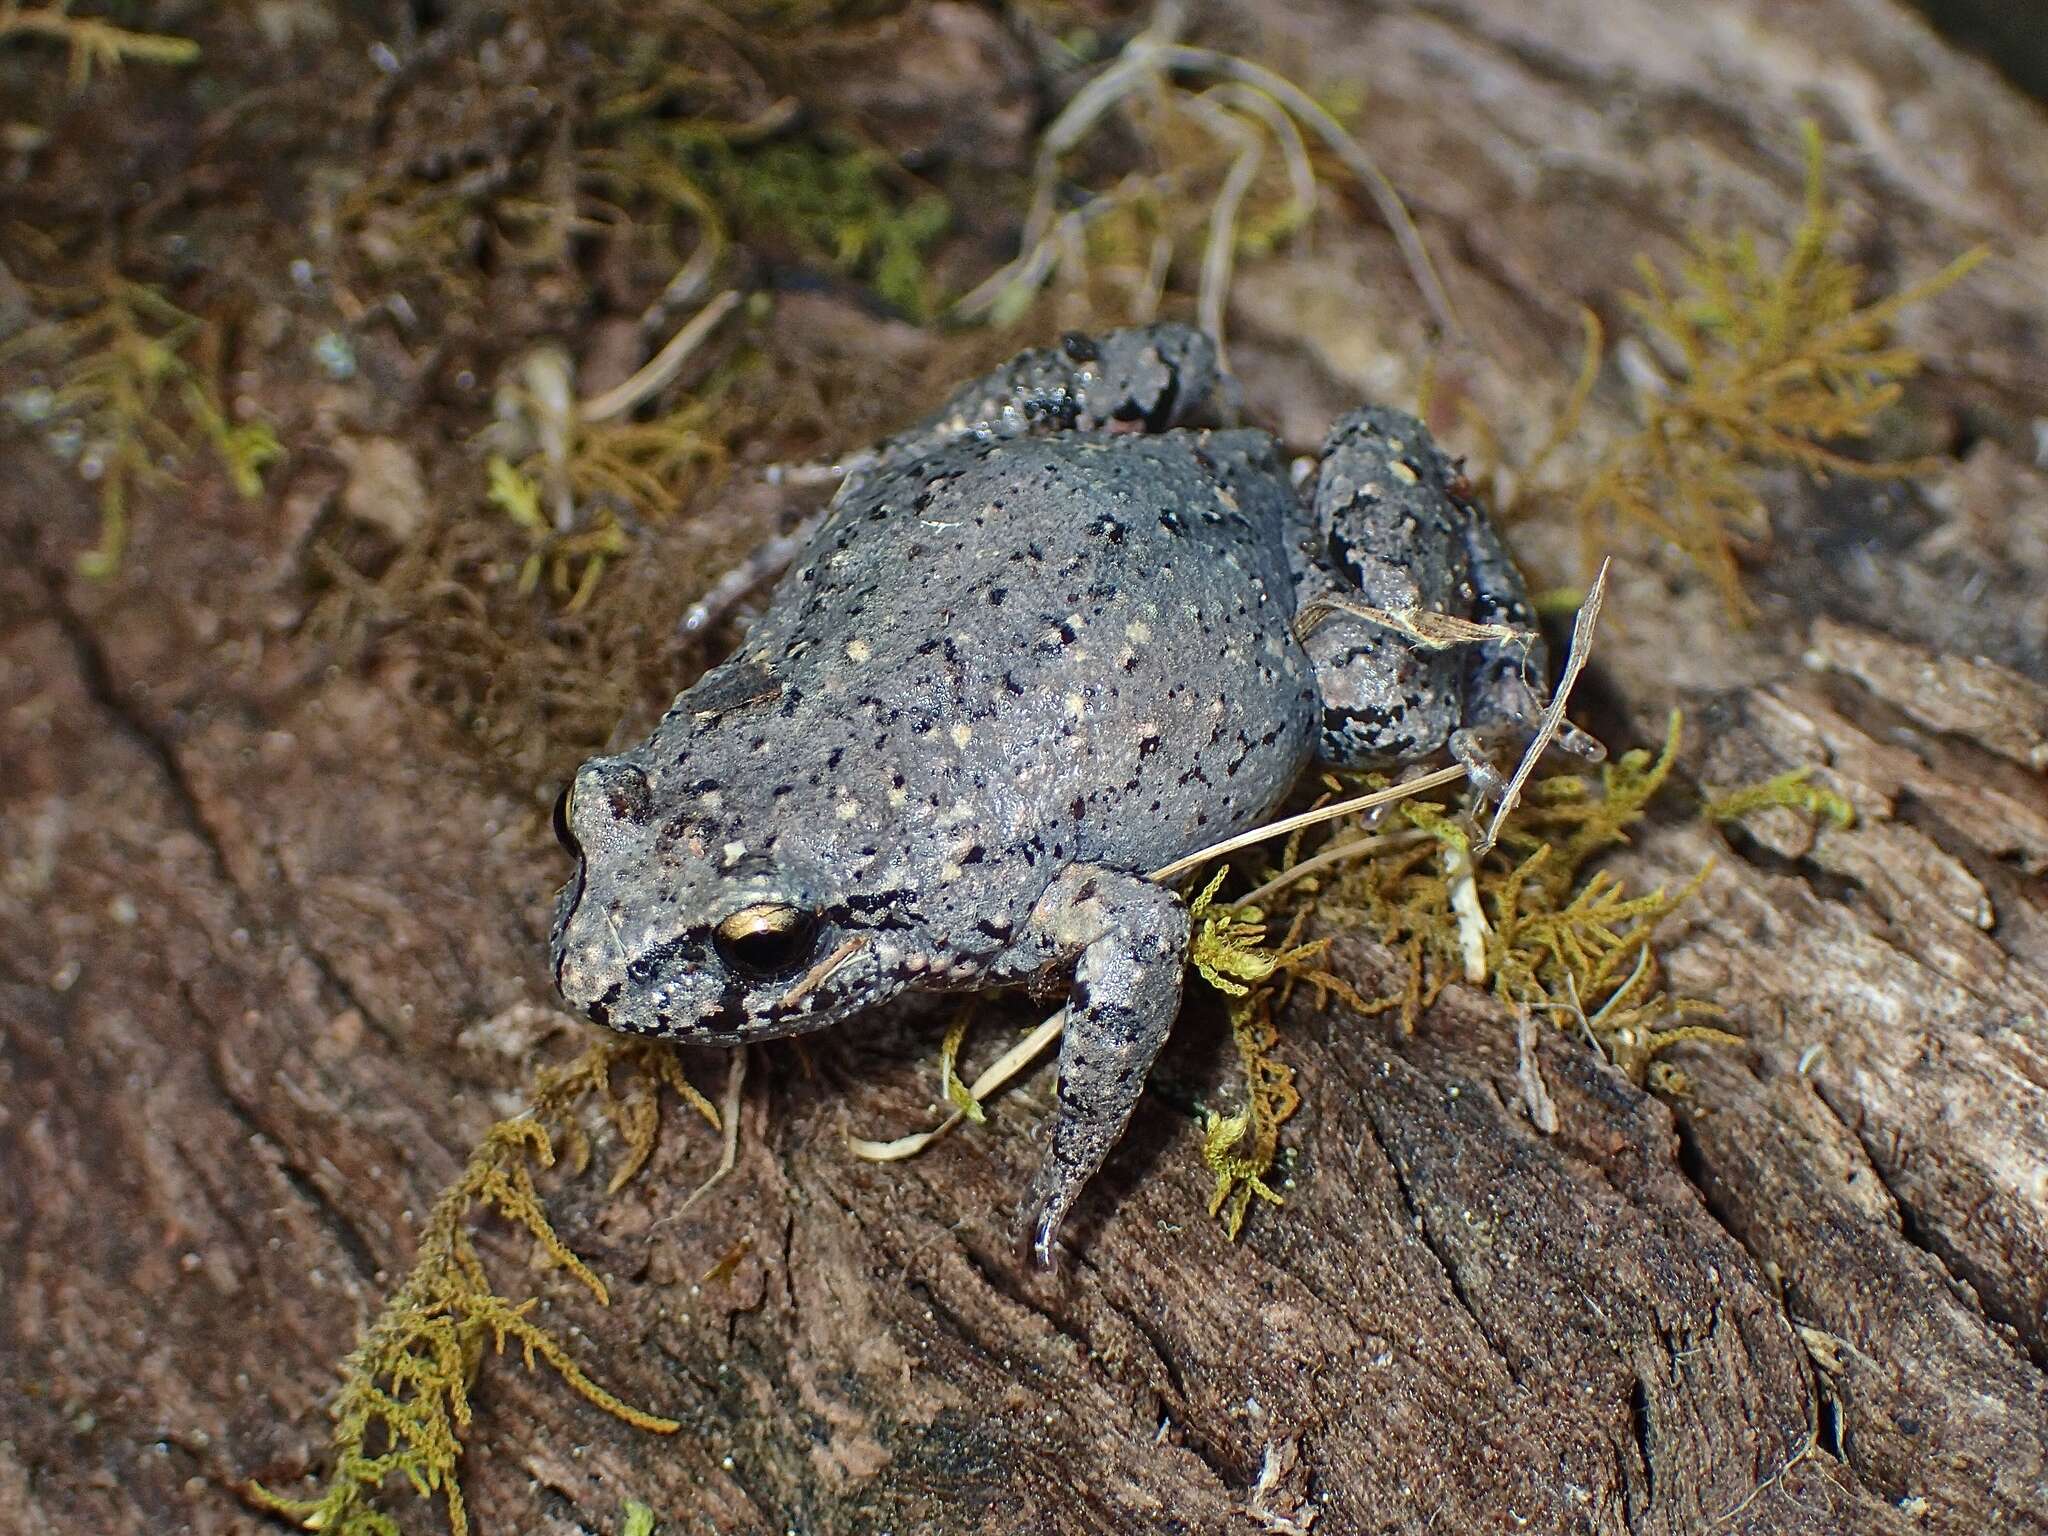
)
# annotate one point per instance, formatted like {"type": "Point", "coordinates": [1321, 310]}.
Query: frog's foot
{"type": "Point", "coordinates": [1480, 749]}
{"type": "Point", "coordinates": [768, 561]}
{"type": "Point", "coordinates": [1472, 750]}
{"type": "Point", "coordinates": [1134, 937]}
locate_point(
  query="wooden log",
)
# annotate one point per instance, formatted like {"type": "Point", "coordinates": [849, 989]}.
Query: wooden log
{"type": "Point", "coordinates": [271, 937]}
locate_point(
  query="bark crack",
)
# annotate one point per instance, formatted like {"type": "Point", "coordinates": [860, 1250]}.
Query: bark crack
{"type": "Point", "coordinates": [258, 916]}
{"type": "Point", "coordinates": [1955, 1270]}
{"type": "Point", "coordinates": [1420, 1221]}
{"type": "Point", "coordinates": [347, 1236]}
{"type": "Point", "coordinates": [94, 674]}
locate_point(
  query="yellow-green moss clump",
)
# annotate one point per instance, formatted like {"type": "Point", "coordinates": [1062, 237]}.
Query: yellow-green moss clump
{"type": "Point", "coordinates": [1794, 790]}
{"type": "Point", "coordinates": [1756, 364]}
{"type": "Point", "coordinates": [129, 394]}
{"type": "Point", "coordinates": [1229, 948]}
{"type": "Point", "coordinates": [1532, 920]}
{"type": "Point", "coordinates": [404, 1401]}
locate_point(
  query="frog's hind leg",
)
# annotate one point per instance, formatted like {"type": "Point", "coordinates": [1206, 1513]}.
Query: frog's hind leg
{"type": "Point", "coordinates": [1394, 527]}
{"type": "Point", "coordinates": [1369, 547]}
{"type": "Point", "coordinates": [1506, 681]}
{"type": "Point", "coordinates": [1133, 939]}
{"type": "Point", "coordinates": [1143, 379]}
{"type": "Point", "coordinates": [1147, 378]}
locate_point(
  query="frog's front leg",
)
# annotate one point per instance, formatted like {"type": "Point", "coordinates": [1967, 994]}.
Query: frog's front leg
{"type": "Point", "coordinates": [1131, 939]}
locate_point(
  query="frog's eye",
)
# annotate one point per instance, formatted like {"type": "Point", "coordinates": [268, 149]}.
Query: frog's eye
{"type": "Point", "coordinates": [562, 833]}
{"type": "Point", "coordinates": [765, 940]}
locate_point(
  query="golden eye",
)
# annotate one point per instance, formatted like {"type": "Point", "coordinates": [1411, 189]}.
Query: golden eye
{"type": "Point", "coordinates": [562, 833]}
{"type": "Point", "coordinates": [765, 940]}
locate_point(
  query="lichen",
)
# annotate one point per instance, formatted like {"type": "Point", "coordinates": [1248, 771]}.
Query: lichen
{"type": "Point", "coordinates": [404, 1403]}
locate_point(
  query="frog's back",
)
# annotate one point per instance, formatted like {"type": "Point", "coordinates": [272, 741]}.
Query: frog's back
{"type": "Point", "coordinates": [1081, 644]}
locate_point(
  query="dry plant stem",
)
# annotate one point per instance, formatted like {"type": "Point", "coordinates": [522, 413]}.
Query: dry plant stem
{"type": "Point", "coordinates": [664, 365]}
{"type": "Point", "coordinates": [1461, 874]}
{"type": "Point", "coordinates": [1322, 813]}
{"type": "Point", "coordinates": [1529, 1075]}
{"type": "Point", "coordinates": [1301, 172]}
{"type": "Point", "coordinates": [729, 1123]}
{"type": "Point", "coordinates": [1219, 252]}
{"type": "Point", "coordinates": [1427, 628]}
{"type": "Point", "coordinates": [818, 974]}
{"type": "Point", "coordinates": [92, 41]}
{"type": "Point", "coordinates": [1553, 717]}
{"type": "Point", "coordinates": [1147, 61]}
{"type": "Point", "coordinates": [1007, 1066]}
{"type": "Point", "coordinates": [1393, 212]}
{"type": "Point", "coordinates": [1034, 1044]}
{"type": "Point", "coordinates": [1372, 842]}
{"type": "Point", "coordinates": [1059, 241]}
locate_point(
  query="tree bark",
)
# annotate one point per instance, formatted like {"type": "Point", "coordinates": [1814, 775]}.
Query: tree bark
{"type": "Point", "coordinates": [272, 934]}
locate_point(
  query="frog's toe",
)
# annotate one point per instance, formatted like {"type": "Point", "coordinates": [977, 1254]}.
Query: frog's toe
{"type": "Point", "coordinates": [1038, 1224]}
{"type": "Point", "coordinates": [1581, 743]}
{"type": "Point", "coordinates": [1469, 749]}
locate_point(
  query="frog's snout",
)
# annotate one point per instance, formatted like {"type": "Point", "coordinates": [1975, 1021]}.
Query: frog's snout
{"type": "Point", "coordinates": [583, 978]}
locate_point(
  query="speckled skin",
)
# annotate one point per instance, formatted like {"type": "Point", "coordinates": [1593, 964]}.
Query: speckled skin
{"type": "Point", "coordinates": [1040, 645]}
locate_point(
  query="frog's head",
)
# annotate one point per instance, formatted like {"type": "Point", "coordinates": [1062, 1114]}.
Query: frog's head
{"type": "Point", "coordinates": [1146, 378]}
{"type": "Point", "coordinates": [672, 925]}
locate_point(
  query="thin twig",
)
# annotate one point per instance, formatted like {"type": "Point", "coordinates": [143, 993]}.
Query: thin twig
{"type": "Point", "coordinates": [1393, 212]}
{"type": "Point", "coordinates": [1301, 171]}
{"type": "Point", "coordinates": [1151, 58]}
{"type": "Point", "coordinates": [1219, 251]}
{"type": "Point", "coordinates": [1335, 854]}
{"type": "Point", "coordinates": [1281, 828]}
{"type": "Point", "coordinates": [1006, 1066]}
{"type": "Point", "coordinates": [1428, 628]}
{"type": "Point", "coordinates": [1553, 717]}
{"type": "Point", "coordinates": [729, 1117]}
{"type": "Point", "coordinates": [663, 366]}
{"type": "Point", "coordinates": [817, 975]}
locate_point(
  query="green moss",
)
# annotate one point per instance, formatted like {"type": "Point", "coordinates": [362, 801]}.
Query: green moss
{"type": "Point", "coordinates": [1229, 948]}
{"type": "Point", "coordinates": [404, 1403]}
{"type": "Point", "coordinates": [1762, 363]}
{"type": "Point", "coordinates": [831, 200]}
{"type": "Point", "coordinates": [128, 399]}
{"type": "Point", "coordinates": [1787, 789]}
{"type": "Point", "coordinates": [1533, 920]}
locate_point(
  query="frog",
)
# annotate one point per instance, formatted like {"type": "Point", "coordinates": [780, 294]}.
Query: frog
{"type": "Point", "coordinates": [1071, 627]}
